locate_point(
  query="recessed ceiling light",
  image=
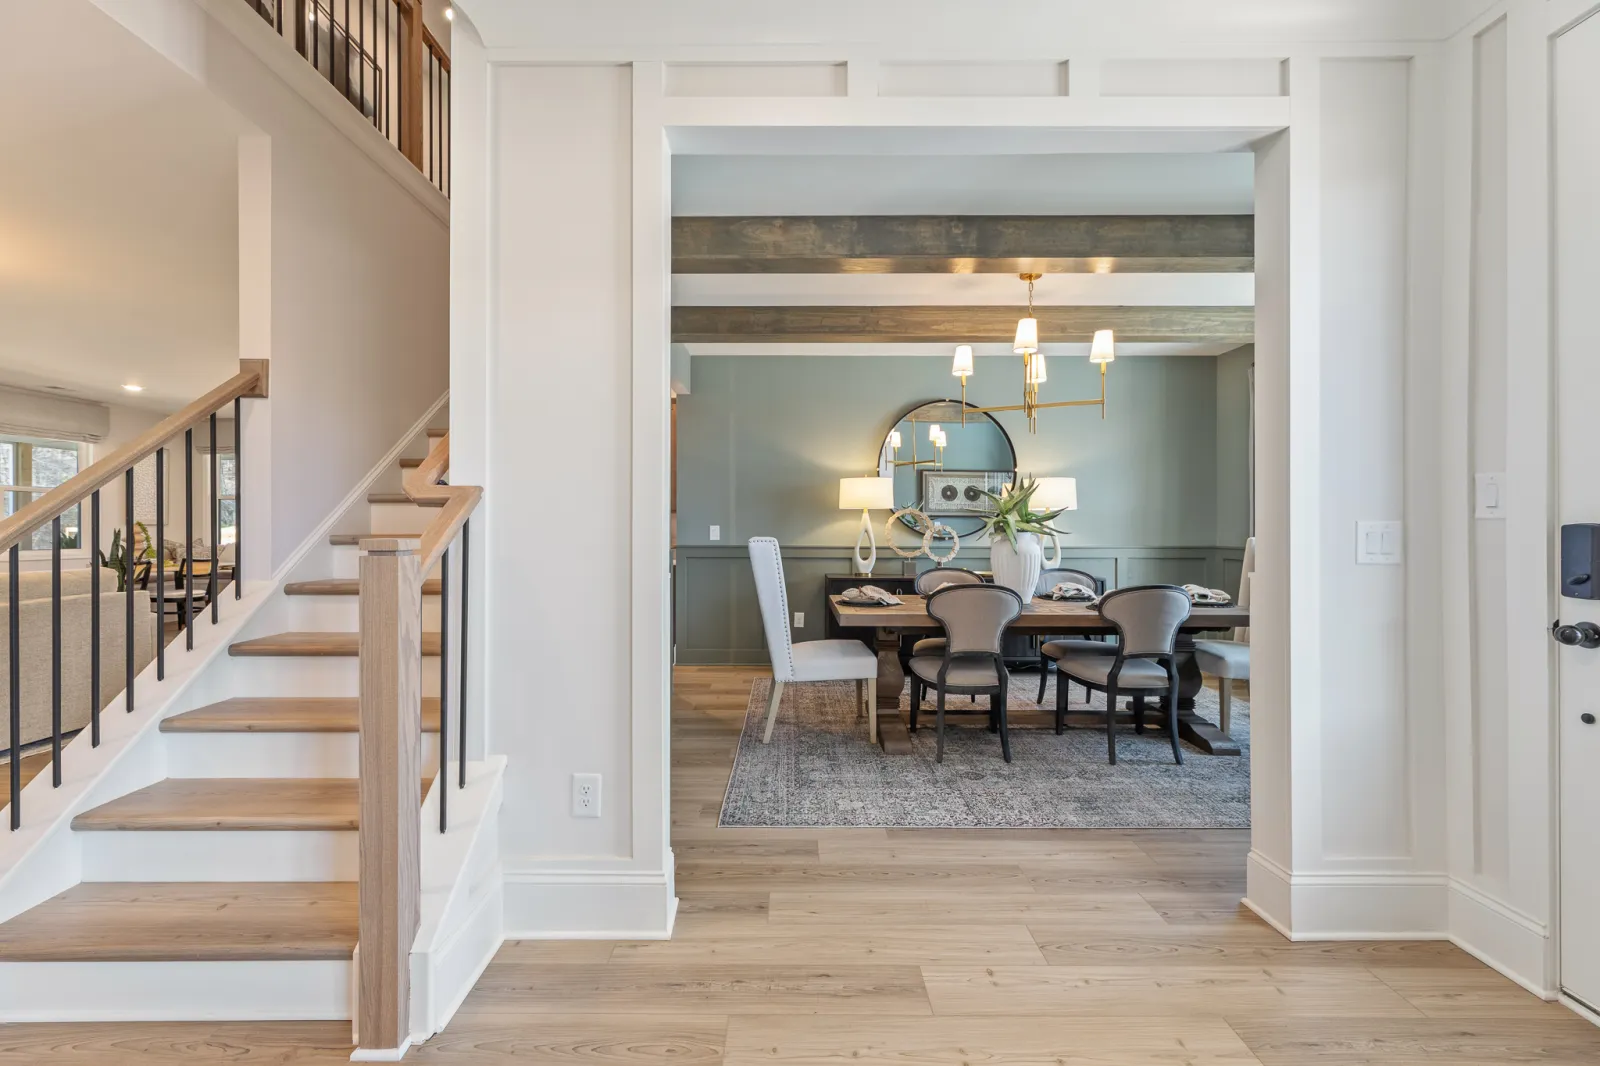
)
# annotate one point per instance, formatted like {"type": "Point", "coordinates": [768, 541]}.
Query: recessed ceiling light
{"type": "Point", "coordinates": [133, 388]}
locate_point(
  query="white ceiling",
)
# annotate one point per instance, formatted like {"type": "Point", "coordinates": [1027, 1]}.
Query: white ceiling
{"type": "Point", "coordinates": [1219, 183]}
{"type": "Point", "coordinates": [959, 27]}
{"type": "Point", "coordinates": [118, 214]}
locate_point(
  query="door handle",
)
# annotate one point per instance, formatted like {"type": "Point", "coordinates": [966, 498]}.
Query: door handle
{"type": "Point", "coordinates": [1576, 635]}
{"type": "Point", "coordinates": [1586, 718]}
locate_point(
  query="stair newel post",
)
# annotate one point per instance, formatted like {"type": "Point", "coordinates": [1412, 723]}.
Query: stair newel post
{"type": "Point", "coordinates": [390, 788]}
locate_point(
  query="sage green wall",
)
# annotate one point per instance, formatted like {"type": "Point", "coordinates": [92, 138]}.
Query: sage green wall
{"type": "Point", "coordinates": [763, 441]}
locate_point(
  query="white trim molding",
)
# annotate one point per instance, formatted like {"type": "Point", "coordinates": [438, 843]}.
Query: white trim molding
{"type": "Point", "coordinates": [595, 904]}
{"type": "Point", "coordinates": [1348, 905]}
{"type": "Point", "coordinates": [1503, 937]}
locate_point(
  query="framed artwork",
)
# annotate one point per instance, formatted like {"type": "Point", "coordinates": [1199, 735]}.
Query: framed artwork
{"type": "Point", "coordinates": [960, 493]}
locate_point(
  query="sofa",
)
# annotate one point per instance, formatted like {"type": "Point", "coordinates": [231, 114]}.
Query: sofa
{"type": "Point", "coordinates": [34, 674]}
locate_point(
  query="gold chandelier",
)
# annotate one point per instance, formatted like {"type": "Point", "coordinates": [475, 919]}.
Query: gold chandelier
{"type": "Point", "coordinates": [1102, 351]}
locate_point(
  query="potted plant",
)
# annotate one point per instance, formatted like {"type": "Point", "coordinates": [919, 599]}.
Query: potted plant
{"type": "Point", "coordinates": [117, 560]}
{"type": "Point", "coordinates": [1016, 532]}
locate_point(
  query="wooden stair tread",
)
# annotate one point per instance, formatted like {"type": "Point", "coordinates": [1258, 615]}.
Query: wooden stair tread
{"type": "Point", "coordinates": [388, 497]}
{"type": "Point", "coordinates": [189, 921]}
{"type": "Point", "coordinates": [345, 586]}
{"type": "Point", "coordinates": [314, 645]}
{"type": "Point", "coordinates": [285, 714]}
{"type": "Point", "coordinates": [200, 803]}
{"type": "Point", "coordinates": [412, 462]}
{"type": "Point", "coordinates": [340, 540]}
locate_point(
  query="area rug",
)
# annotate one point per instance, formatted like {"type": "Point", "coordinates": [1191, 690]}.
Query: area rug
{"type": "Point", "coordinates": [819, 770]}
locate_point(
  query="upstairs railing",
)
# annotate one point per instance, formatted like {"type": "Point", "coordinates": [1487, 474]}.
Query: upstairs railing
{"type": "Point", "coordinates": [382, 59]}
{"type": "Point", "coordinates": [393, 570]}
{"type": "Point", "coordinates": [48, 509]}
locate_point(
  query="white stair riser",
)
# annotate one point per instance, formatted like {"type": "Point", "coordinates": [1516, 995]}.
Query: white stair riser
{"type": "Point", "coordinates": [275, 754]}
{"type": "Point", "coordinates": [400, 517]}
{"type": "Point", "coordinates": [340, 614]}
{"type": "Point", "coordinates": [345, 561]}
{"type": "Point", "coordinates": [220, 855]}
{"type": "Point", "coordinates": [174, 991]}
{"type": "Point", "coordinates": [280, 675]}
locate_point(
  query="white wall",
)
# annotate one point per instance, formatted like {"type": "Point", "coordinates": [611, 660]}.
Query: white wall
{"type": "Point", "coordinates": [1498, 671]}
{"type": "Point", "coordinates": [1377, 804]}
{"type": "Point", "coordinates": [344, 268]}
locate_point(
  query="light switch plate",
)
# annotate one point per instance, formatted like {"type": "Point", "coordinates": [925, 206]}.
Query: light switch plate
{"type": "Point", "coordinates": [799, 619]}
{"type": "Point", "coordinates": [716, 532]}
{"type": "Point", "coordinates": [1490, 497]}
{"type": "Point", "coordinates": [1380, 543]}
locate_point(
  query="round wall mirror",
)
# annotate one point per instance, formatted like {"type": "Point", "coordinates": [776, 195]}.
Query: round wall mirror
{"type": "Point", "coordinates": [944, 455]}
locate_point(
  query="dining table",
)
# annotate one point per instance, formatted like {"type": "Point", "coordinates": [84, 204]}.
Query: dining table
{"type": "Point", "coordinates": [1041, 617]}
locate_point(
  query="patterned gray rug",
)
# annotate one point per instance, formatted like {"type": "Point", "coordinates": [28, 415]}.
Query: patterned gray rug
{"type": "Point", "coordinates": [820, 770]}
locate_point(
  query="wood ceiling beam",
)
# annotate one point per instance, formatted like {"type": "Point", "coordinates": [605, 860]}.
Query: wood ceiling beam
{"type": "Point", "coordinates": [963, 244]}
{"type": "Point", "coordinates": [956, 325]}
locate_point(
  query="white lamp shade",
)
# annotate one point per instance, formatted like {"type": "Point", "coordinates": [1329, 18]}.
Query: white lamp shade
{"type": "Point", "coordinates": [1056, 494]}
{"type": "Point", "coordinates": [1104, 348]}
{"type": "Point", "coordinates": [962, 367]}
{"type": "Point", "coordinates": [944, 439]}
{"type": "Point", "coordinates": [1036, 373]}
{"type": "Point", "coordinates": [1027, 341]}
{"type": "Point", "coordinates": [933, 433]}
{"type": "Point", "coordinates": [866, 493]}
{"type": "Point", "coordinates": [894, 439]}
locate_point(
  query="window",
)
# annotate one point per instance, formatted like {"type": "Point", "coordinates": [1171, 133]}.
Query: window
{"type": "Point", "coordinates": [27, 469]}
{"type": "Point", "coordinates": [228, 498]}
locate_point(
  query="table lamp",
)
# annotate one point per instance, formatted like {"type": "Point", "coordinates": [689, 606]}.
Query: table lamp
{"type": "Point", "coordinates": [866, 493]}
{"type": "Point", "coordinates": [1056, 494]}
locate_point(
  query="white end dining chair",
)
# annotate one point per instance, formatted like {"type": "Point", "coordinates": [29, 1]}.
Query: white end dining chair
{"type": "Point", "coordinates": [1229, 660]}
{"type": "Point", "coordinates": [812, 660]}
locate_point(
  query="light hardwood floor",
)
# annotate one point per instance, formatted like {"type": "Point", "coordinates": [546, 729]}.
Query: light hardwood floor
{"type": "Point", "coordinates": [863, 946]}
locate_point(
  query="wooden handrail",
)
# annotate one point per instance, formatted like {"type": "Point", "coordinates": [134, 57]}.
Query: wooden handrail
{"type": "Point", "coordinates": [457, 501]}
{"type": "Point", "coordinates": [432, 44]}
{"type": "Point", "coordinates": [249, 382]}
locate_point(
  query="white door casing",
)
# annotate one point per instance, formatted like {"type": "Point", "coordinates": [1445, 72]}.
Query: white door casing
{"type": "Point", "coordinates": [1576, 238]}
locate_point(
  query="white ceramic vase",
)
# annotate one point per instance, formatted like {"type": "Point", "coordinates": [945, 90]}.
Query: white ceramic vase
{"type": "Point", "coordinates": [1017, 568]}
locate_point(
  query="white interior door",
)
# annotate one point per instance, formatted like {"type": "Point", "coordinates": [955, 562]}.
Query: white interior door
{"type": "Point", "coordinates": [1577, 337]}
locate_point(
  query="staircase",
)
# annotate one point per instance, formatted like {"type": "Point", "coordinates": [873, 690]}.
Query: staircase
{"type": "Point", "coordinates": [228, 888]}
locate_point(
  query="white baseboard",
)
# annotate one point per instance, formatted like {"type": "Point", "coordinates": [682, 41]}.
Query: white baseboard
{"type": "Point", "coordinates": [1580, 1009]}
{"type": "Point", "coordinates": [174, 991]}
{"type": "Point", "coordinates": [1504, 938]}
{"type": "Point", "coordinates": [1359, 905]}
{"type": "Point", "coordinates": [589, 904]}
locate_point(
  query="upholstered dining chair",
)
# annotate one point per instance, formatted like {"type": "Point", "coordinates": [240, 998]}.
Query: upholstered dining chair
{"type": "Point", "coordinates": [974, 618]}
{"type": "Point", "coordinates": [928, 582]}
{"type": "Point", "coordinates": [812, 660]}
{"type": "Point", "coordinates": [1229, 660]}
{"type": "Point", "coordinates": [1147, 618]}
{"type": "Point", "coordinates": [1052, 650]}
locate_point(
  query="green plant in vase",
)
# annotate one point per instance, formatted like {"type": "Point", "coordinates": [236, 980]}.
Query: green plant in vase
{"type": "Point", "coordinates": [1017, 559]}
{"type": "Point", "coordinates": [117, 558]}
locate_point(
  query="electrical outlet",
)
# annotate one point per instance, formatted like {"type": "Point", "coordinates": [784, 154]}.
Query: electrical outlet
{"type": "Point", "coordinates": [716, 532]}
{"type": "Point", "coordinates": [586, 795]}
{"type": "Point", "coordinates": [799, 619]}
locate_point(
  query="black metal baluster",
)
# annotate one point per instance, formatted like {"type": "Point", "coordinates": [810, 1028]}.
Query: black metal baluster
{"type": "Point", "coordinates": [361, 52]}
{"type": "Point", "coordinates": [15, 621]}
{"type": "Point", "coordinates": [316, 43]}
{"type": "Point", "coordinates": [161, 563]}
{"type": "Point", "coordinates": [188, 536]}
{"type": "Point", "coordinates": [433, 118]}
{"type": "Point", "coordinates": [461, 702]}
{"type": "Point", "coordinates": [444, 684]}
{"type": "Point", "coordinates": [128, 560]}
{"type": "Point", "coordinates": [347, 43]}
{"type": "Point", "coordinates": [94, 619]}
{"type": "Point", "coordinates": [216, 523]}
{"type": "Point", "coordinates": [388, 68]}
{"type": "Point", "coordinates": [238, 499]}
{"type": "Point", "coordinates": [55, 651]}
